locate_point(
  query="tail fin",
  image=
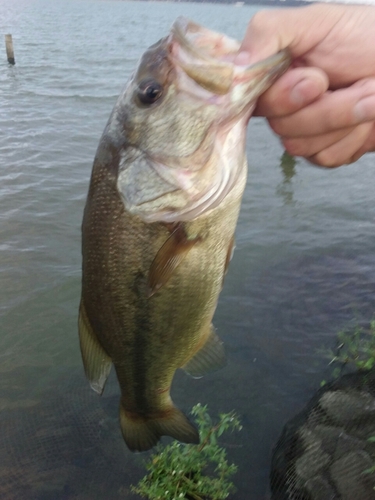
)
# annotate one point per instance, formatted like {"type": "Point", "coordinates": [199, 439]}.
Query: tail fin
{"type": "Point", "coordinates": [141, 433]}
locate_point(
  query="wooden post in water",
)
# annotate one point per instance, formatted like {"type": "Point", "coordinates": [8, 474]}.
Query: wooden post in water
{"type": "Point", "coordinates": [9, 49]}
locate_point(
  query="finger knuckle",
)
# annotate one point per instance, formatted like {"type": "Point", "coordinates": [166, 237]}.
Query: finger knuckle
{"type": "Point", "coordinates": [328, 159]}
{"type": "Point", "coordinates": [295, 147]}
{"type": "Point", "coordinates": [276, 125]}
{"type": "Point", "coordinates": [367, 85]}
{"type": "Point", "coordinates": [337, 117]}
{"type": "Point", "coordinates": [260, 20]}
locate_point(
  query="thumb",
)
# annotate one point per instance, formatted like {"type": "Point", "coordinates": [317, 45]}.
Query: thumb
{"type": "Point", "coordinates": [300, 29]}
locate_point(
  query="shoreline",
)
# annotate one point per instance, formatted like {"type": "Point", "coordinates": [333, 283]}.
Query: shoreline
{"type": "Point", "coordinates": [245, 3]}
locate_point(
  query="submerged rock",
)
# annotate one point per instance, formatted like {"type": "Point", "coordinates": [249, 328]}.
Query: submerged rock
{"type": "Point", "coordinates": [325, 451]}
{"type": "Point", "coordinates": [349, 478]}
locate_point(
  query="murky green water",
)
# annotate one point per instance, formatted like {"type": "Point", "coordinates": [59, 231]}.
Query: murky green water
{"type": "Point", "coordinates": [304, 266]}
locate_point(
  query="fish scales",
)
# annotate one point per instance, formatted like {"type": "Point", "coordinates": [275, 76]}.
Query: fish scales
{"type": "Point", "coordinates": [159, 222]}
{"type": "Point", "coordinates": [117, 301]}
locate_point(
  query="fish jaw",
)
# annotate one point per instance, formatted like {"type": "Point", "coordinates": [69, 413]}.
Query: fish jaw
{"type": "Point", "coordinates": [185, 151]}
{"type": "Point", "coordinates": [208, 58]}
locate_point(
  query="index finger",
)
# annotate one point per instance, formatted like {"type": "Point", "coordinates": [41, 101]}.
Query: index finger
{"type": "Point", "coordinates": [297, 88]}
{"type": "Point", "coordinates": [300, 29]}
{"type": "Point", "coordinates": [333, 111]}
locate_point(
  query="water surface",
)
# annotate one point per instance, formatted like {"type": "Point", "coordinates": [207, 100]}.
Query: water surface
{"type": "Point", "coordinates": [304, 265]}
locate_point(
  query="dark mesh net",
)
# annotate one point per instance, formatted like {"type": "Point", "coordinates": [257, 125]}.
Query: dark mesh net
{"type": "Point", "coordinates": [64, 445]}
{"type": "Point", "coordinates": [325, 452]}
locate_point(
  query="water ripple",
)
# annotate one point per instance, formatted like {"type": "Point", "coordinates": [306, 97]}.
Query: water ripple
{"type": "Point", "coordinates": [303, 267]}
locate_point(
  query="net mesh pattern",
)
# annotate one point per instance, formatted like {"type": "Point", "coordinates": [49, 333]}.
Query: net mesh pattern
{"type": "Point", "coordinates": [325, 451]}
{"type": "Point", "coordinates": [64, 446]}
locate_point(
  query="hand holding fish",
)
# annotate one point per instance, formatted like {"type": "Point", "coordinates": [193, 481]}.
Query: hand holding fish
{"type": "Point", "coordinates": [324, 106]}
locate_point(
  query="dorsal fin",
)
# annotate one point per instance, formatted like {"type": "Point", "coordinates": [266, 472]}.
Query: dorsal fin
{"type": "Point", "coordinates": [96, 361]}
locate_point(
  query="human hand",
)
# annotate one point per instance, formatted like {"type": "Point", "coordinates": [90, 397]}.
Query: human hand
{"type": "Point", "coordinates": [324, 106]}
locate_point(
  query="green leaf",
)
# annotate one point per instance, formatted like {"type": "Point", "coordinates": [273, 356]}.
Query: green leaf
{"type": "Point", "coordinates": [180, 471]}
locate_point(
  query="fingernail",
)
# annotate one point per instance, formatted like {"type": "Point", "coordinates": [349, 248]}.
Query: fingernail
{"type": "Point", "coordinates": [364, 110]}
{"type": "Point", "coordinates": [242, 59]}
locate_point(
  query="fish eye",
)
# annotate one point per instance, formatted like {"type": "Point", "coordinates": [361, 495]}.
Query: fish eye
{"type": "Point", "coordinates": [149, 91]}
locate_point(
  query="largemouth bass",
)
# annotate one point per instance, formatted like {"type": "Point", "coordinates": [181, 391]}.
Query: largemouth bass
{"type": "Point", "coordinates": [159, 222]}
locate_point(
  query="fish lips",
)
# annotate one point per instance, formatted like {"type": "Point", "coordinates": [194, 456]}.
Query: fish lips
{"type": "Point", "coordinates": [253, 80]}
{"type": "Point", "coordinates": [207, 58]}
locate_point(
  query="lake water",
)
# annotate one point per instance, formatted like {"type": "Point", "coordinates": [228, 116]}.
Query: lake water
{"type": "Point", "coordinates": [303, 269]}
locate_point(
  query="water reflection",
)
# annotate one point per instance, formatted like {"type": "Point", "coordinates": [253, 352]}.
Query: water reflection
{"type": "Point", "coordinates": [285, 188]}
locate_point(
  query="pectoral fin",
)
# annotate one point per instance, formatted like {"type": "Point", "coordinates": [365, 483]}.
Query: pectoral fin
{"type": "Point", "coordinates": [232, 246]}
{"type": "Point", "coordinates": [169, 257]}
{"type": "Point", "coordinates": [209, 358]}
{"type": "Point", "coordinates": [96, 361]}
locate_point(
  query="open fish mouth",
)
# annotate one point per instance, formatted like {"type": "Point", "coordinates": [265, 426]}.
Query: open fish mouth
{"type": "Point", "coordinates": [205, 106]}
{"type": "Point", "coordinates": [207, 58]}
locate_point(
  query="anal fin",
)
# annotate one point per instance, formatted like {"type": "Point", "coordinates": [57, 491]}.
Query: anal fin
{"type": "Point", "coordinates": [209, 358]}
{"type": "Point", "coordinates": [96, 361]}
{"type": "Point", "coordinates": [169, 257]}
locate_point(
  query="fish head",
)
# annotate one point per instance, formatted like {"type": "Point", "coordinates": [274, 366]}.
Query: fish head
{"type": "Point", "coordinates": [183, 117]}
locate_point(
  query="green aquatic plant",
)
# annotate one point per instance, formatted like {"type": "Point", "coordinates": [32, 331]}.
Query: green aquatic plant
{"type": "Point", "coordinates": [192, 472]}
{"type": "Point", "coordinates": [371, 470]}
{"type": "Point", "coordinates": [356, 349]}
